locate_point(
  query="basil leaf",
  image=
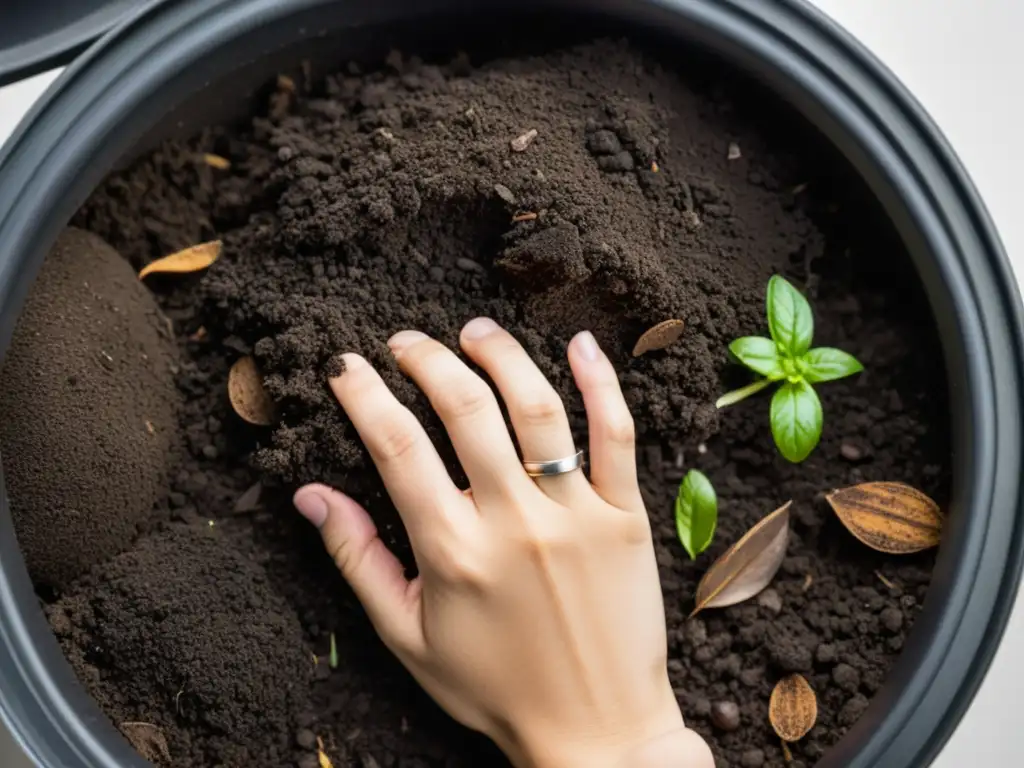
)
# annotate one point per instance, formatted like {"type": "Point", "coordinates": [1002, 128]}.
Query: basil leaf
{"type": "Point", "coordinates": [789, 317]}
{"type": "Point", "coordinates": [828, 364]}
{"type": "Point", "coordinates": [696, 512]}
{"type": "Point", "coordinates": [796, 420]}
{"type": "Point", "coordinates": [760, 355]}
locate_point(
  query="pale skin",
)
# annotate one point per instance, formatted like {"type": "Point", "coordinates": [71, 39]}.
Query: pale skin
{"type": "Point", "coordinates": [537, 616]}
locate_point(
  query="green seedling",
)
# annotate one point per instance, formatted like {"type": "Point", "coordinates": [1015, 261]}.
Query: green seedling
{"type": "Point", "coordinates": [696, 512]}
{"type": "Point", "coordinates": [333, 658]}
{"type": "Point", "coordinates": [787, 357]}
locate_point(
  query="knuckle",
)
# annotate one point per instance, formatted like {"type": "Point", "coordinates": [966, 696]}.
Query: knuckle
{"type": "Point", "coordinates": [540, 410]}
{"type": "Point", "coordinates": [619, 429]}
{"type": "Point", "coordinates": [464, 400]}
{"type": "Point", "coordinates": [398, 438]}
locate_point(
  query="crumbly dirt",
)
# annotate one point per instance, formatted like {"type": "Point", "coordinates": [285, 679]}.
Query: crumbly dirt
{"type": "Point", "coordinates": [88, 419]}
{"type": "Point", "coordinates": [394, 199]}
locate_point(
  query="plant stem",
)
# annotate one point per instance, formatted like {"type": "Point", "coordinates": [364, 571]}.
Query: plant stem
{"type": "Point", "coordinates": [333, 658]}
{"type": "Point", "coordinates": [731, 398]}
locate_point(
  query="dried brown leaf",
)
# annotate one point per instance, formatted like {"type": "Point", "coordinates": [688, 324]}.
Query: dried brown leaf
{"type": "Point", "coordinates": [250, 500]}
{"type": "Point", "coordinates": [889, 517]}
{"type": "Point", "coordinates": [660, 336]}
{"type": "Point", "coordinates": [248, 397]}
{"type": "Point", "coordinates": [748, 566]}
{"type": "Point", "coordinates": [189, 260]}
{"type": "Point", "coordinates": [148, 740]}
{"type": "Point", "coordinates": [216, 161]}
{"type": "Point", "coordinates": [793, 708]}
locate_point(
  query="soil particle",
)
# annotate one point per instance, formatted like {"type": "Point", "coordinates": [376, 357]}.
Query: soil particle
{"type": "Point", "coordinates": [89, 410]}
{"type": "Point", "coordinates": [725, 715]}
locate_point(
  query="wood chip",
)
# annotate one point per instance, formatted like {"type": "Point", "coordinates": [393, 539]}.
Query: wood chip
{"type": "Point", "coordinates": [216, 161]}
{"type": "Point", "coordinates": [520, 143]}
{"type": "Point", "coordinates": [248, 397]}
{"type": "Point", "coordinates": [748, 566]}
{"type": "Point", "coordinates": [660, 336]}
{"type": "Point", "coordinates": [793, 708]}
{"type": "Point", "coordinates": [889, 517]}
{"type": "Point", "coordinates": [734, 151]}
{"type": "Point", "coordinates": [188, 260]}
{"type": "Point", "coordinates": [149, 741]}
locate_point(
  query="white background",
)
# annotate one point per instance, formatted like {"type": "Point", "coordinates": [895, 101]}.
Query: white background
{"type": "Point", "coordinates": [959, 58]}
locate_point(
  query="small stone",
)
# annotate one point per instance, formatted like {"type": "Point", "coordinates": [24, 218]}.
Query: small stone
{"type": "Point", "coordinates": [770, 600]}
{"type": "Point", "coordinates": [752, 758]}
{"type": "Point", "coordinates": [752, 677]}
{"type": "Point", "coordinates": [826, 654]}
{"type": "Point", "coordinates": [696, 632]}
{"type": "Point", "coordinates": [604, 143]}
{"type": "Point", "coordinates": [177, 499]}
{"type": "Point", "coordinates": [210, 451]}
{"type": "Point", "coordinates": [305, 738]}
{"type": "Point", "coordinates": [436, 274]}
{"type": "Point", "coordinates": [725, 715]}
{"type": "Point", "coordinates": [734, 151]}
{"type": "Point", "coordinates": [505, 194]}
{"type": "Point", "coordinates": [852, 710]}
{"type": "Point", "coordinates": [675, 667]}
{"type": "Point", "coordinates": [468, 265]}
{"type": "Point", "coordinates": [788, 655]}
{"type": "Point", "coordinates": [892, 619]}
{"type": "Point", "coordinates": [850, 452]}
{"type": "Point", "coordinates": [520, 143]}
{"type": "Point", "coordinates": [701, 707]}
{"type": "Point", "coordinates": [308, 761]}
{"type": "Point", "coordinates": [846, 677]}
{"type": "Point", "coordinates": [213, 425]}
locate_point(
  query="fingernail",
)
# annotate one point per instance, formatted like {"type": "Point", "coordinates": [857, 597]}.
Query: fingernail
{"type": "Point", "coordinates": [586, 345]}
{"type": "Point", "coordinates": [312, 506]}
{"type": "Point", "coordinates": [480, 327]}
{"type": "Point", "coordinates": [404, 339]}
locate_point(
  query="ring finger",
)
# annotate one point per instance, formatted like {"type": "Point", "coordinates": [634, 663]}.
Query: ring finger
{"type": "Point", "coordinates": [536, 410]}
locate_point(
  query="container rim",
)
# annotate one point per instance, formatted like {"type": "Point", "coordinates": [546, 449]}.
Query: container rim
{"type": "Point", "coordinates": [110, 97]}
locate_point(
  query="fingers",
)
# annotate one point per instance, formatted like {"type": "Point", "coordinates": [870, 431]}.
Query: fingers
{"type": "Point", "coordinates": [408, 463]}
{"type": "Point", "coordinates": [470, 412]}
{"type": "Point", "coordinates": [373, 572]}
{"type": "Point", "coordinates": [536, 410]}
{"type": "Point", "coordinates": [612, 439]}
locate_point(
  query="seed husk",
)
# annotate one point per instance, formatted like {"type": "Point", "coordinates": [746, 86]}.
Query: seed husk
{"type": "Point", "coordinates": [188, 260]}
{"type": "Point", "coordinates": [216, 161]}
{"type": "Point", "coordinates": [793, 708]}
{"type": "Point", "coordinates": [148, 740]}
{"type": "Point", "coordinates": [889, 517]}
{"type": "Point", "coordinates": [660, 336]}
{"type": "Point", "coordinates": [248, 397]}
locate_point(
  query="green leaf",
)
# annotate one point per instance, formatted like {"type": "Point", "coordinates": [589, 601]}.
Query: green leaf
{"type": "Point", "coordinates": [796, 420]}
{"type": "Point", "coordinates": [760, 355]}
{"type": "Point", "coordinates": [789, 317]}
{"type": "Point", "coordinates": [696, 512]}
{"type": "Point", "coordinates": [828, 364]}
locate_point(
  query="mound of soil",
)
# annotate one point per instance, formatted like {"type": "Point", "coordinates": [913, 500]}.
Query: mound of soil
{"type": "Point", "coordinates": [193, 637]}
{"type": "Point", "coordinates": [88, 418]}
{"type": "Point", "coordinates": [374, 202]}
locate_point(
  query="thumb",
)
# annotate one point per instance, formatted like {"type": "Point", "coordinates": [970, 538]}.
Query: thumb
{"type": "Point", "coordinates": [376, 576]}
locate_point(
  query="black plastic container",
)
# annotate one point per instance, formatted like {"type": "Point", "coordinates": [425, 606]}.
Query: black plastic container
{"type": "Point", "coordinates": [175, 66]}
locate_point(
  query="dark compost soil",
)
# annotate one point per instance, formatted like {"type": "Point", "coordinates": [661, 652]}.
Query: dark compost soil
{"type": "Point", "coordinates": [369, 203]}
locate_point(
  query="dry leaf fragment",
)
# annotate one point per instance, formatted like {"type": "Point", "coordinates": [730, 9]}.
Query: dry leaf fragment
{"type": "Point", "coordinates": [248, 397]}
{"type": "Point", "coordinates": [889, 517]}
{"type": "Point", "coordinates": [216, 161]}
{"type": "Point", "coordinates": [148, 740]}
{"type": "Point", "coordinates": [520, 143]}
{"type": "Point", "coordinates": [793, 708]}
{"type": "Point", "coordinates": [250, 500]}
{"type": "Point", "coordinates": [748, 566]}
{"type": "Point", "coordinates": [189, 260]}
{"type": "Point", "coordinates": [660, 336]}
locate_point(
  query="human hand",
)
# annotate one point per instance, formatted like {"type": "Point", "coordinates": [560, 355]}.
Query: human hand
{"type": "Point", "coordinates": [537, 615]}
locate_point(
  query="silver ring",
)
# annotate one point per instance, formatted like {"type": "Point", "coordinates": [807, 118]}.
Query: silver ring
{"type": "Point", "coordinates": [556, 467]}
